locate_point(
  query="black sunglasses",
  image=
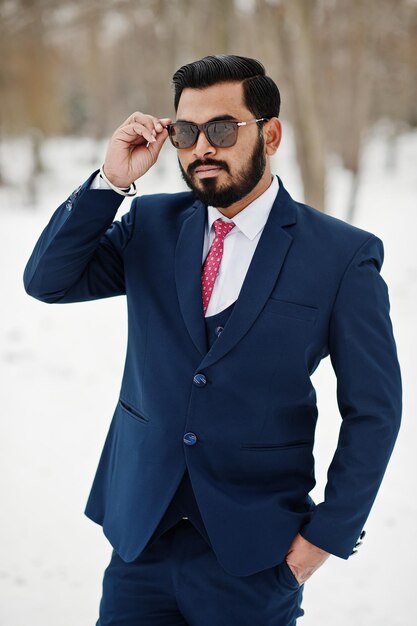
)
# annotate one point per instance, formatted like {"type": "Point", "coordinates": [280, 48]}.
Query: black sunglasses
{"type": "Point", "coordinates": [220, 133]}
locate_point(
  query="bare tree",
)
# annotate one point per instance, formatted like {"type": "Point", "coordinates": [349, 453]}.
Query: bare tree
{"type": "Point", "coordinates": [298, 52]}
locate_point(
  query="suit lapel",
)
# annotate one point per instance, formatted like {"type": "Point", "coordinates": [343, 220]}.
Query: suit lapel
{"type": "Point", "coordinates": [260, 278]}
{"type": "Point", "coordinates": [188, 257]}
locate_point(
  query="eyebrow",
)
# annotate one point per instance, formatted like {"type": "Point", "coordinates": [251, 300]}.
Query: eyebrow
{"type": "Point", "coordinates": [218, 118]}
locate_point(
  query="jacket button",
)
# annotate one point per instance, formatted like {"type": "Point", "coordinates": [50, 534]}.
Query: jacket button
{"type": "Point", "coordinates": [218, 330]}
{"type": "Point", "coordinates": [200, 380]}
{"type": "Point", "coordinates": [68, 205]}
{"type": "Point", "coordinates": [190, 439]}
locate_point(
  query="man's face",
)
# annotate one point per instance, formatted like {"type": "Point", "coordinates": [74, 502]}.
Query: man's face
{"type": "Point", "coordinates": [220, 176]}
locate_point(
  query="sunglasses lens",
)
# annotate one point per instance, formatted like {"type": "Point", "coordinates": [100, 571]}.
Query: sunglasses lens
{"type": "Point", "coordinates": [182, 135]}
{"type": "Point", "coordinates": [222, 134]}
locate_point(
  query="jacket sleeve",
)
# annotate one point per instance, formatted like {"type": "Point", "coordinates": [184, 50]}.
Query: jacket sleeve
{"type": "Point", "coordinates": [364, 357]}
{"type": "Point", "coordinates": [79, 255]}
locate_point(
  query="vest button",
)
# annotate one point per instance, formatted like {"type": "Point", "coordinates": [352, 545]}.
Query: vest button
{"type": "Point", "coordinates": [200, 380]}
{"type": "Point", "coordinates": [190, 439]}
{"type": "Point", "coordinates": [218, 330]}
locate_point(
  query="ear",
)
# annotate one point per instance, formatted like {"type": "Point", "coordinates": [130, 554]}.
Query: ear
{"type": "Point", "coordinates": [272, 135]}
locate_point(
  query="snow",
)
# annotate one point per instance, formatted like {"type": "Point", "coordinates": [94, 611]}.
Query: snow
{"type": "Point", "coordinates": [61, 368]}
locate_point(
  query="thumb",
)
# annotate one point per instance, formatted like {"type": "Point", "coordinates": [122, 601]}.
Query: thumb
{"type": "Point", "coordinates": [155, 146]}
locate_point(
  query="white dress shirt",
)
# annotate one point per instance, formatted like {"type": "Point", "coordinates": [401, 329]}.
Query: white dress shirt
{"type": "Point", "coordinates": [238, 247]}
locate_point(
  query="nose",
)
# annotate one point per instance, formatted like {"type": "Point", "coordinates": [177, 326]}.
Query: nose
{"type": "Point", "coordinates": [203, 147]}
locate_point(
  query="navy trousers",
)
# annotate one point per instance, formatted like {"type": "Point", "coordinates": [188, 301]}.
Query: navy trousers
{"type": "Point", "coordinates": [177, 581]}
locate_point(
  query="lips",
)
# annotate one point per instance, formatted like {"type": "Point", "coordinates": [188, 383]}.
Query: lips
{"type": "Point", "coordinates": [205, 171]}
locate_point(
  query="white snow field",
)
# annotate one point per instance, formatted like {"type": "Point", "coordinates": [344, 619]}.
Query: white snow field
{"type": "Point", "coordinates": [61, 368]}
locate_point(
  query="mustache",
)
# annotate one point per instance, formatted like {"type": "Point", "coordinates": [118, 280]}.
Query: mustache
{"type": "Point", "coordinates": [199, 162]}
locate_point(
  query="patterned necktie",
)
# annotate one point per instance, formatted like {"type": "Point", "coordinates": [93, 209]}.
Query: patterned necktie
{"type": "Point", "coordinates": [212, 263]}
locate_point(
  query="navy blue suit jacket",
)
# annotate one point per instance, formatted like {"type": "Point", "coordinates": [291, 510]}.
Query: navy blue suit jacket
{"type": "Point", "coordinates": [313, 289]}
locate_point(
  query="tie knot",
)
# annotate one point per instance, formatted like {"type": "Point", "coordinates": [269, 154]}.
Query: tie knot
{"type": "Point", "coordinates": [222, 228]}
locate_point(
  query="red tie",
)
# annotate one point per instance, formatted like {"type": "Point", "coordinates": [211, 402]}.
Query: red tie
{"type": "Point", "coordinates": [212, 263]}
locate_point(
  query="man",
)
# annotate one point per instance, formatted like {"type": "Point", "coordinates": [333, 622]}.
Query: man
{"type": "Point", "coordinates": [235, 293]}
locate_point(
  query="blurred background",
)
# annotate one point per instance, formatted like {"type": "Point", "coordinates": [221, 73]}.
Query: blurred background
{"type": "Point", "coordinates": [70, 73]}
{"type": "Point", "coordinates": [72, 68]}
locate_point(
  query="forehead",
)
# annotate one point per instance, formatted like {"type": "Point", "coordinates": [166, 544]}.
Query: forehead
{"type": "Point", "coordinates": [200, 105]}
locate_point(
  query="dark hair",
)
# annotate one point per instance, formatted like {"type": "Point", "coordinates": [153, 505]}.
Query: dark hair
{"type": "Point", "coordinates": [261, 94]}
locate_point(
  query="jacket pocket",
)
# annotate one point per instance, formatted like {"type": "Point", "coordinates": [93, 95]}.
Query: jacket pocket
{"type": "Point", "coordinates": [291, 309]}
{"type": "Point", "coordinates": [130, 410]}
{"type": "Point", "coordinates": [302, 443]}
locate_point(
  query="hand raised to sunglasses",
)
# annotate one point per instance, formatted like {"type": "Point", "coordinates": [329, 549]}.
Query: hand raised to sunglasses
{"type": "Point", "coordinates": [134, 147]}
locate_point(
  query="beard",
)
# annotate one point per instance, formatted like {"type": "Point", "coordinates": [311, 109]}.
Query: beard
{"type": "Point", "coordinates": [213, 194]}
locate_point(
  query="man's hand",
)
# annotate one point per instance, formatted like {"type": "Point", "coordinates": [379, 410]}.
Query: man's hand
{"type": "Point", "coordinates": [134, 148]}
{"type": "Point", "coordinates": [304, 558]}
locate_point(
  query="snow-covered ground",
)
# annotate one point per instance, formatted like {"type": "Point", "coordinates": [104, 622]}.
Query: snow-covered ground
{"type": "Point", "coordinates": [61, 367]}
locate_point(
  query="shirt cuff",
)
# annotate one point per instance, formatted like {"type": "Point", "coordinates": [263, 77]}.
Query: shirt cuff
{"type": "Point", "coordinates": [99, 183]}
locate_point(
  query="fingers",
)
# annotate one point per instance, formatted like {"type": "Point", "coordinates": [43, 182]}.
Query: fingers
{"type": "Point", "coordinates": [135, 147]}
{"type": "Point", "coordinates": [165, 121]}
{"type": "Point", "coordinates": [143, 131]}
{"type": "Point", "coordinates": [153, 124]}
{"type": "Point", "coordinates": [155, 146]}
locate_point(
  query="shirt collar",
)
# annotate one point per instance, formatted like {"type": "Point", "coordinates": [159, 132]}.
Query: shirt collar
{"type": "Point", "coordinates": [252, 219]}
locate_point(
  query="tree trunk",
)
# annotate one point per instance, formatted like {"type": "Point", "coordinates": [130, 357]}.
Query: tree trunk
{"type": "Point", "coordinates": [298, 52]}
